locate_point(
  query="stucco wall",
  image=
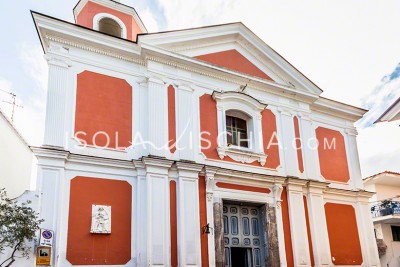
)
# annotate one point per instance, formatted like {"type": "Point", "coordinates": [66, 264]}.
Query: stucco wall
{"type": "Point", "coordinates": [15, 161]}
{"type": "Point", "coordinates": [387, 191]}
{"type": "Point", "coordinates": [392, 256]}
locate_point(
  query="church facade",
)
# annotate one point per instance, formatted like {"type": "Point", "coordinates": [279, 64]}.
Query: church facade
{"type": "Point", "coordinates": [196, 147]}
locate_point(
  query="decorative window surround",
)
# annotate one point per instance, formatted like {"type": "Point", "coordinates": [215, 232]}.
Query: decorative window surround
{"type": "Point", "coordinates": [100, 16]}
{"type": "Point", "coordinates": [252, 108]}
{"type": "Point", "coordinates": [241, 154]}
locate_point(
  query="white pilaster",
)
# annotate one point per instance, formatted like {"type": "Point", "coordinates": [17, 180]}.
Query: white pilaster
{"type": "Point", "coordinates": [189, 246]}
{"type": "Point", "coordinates": [258, 138]}
{"type": "Point", "coordinates": [221, 123]}
{"type": "Point", "coordinates": [298, 226]}
{"type": "Point", "coordinates": [141, 211]}
{"type": "Point", "coordinates": [277, 191]}
{"type": "Point", "coordinates": [184, 107]}
{"type": "Point", "coordinates": [318, 227]}
{"type": "Point", "coordinates": [52, 187]}
{"type": "Point", "coordinates": [157, 211]}
{"type": "Point", "coordinates": [55, 125]}
{"type": "Point", "coordinates": [309, 148]}
{"type": "Point", "coordinates": [210, 182]}
{"type": "Point", "coordinates": [158, 117]}
{"type": "Point", "coordinates": [353, 159]}
{"type": "Point", "coordinates": [366, 231]}
{"type": "Point", "coordinates": [288, 139]}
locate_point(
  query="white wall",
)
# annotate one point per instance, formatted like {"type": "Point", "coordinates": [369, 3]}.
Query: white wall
{"type": "Point", "coordinates": [15, 160]}
{"type": "Point", "coordinates": [392, 256]}
{"type": "Point", "coordinates": [23, 262]}
{"type": "Point", "coordinates": [387, 191]}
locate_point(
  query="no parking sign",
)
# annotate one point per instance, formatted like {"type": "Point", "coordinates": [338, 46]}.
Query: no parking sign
{"type": "Point", "coordinates": [46, 238]}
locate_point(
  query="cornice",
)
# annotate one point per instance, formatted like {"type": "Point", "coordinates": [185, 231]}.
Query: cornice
{"type": "Point", "coordinates": [392, 113]}
{"type": "Point", "coordinates": [338, 109]}
{"type": "Point", "coordinates": [157, 162]}
{"type": "Point", "coordinates": [317, 184]}
{"type": "Point", "coordinates": [189, 166]}
{"type": "Point", "coordinates": [239, 175]}
{"type": "Point", "coordinates": [99, 161]}
{"type": "Point", "coordinates": [349, 193]}
{"type": "Point", "coordinates": [94, 49]}
{"type": "Point", "coordinates": [68, 157]}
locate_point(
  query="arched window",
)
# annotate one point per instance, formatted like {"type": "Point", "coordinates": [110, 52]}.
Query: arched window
{"type": "Point", "coordinates": [110, 26]}
{"type": "Point", "coordinates": [237, 128]}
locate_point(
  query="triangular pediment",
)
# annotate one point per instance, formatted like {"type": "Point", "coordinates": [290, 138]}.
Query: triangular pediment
{"type": "Point", "coordinates": [234, 47]}
{"type": "Point", "coordinates": [233, 59]}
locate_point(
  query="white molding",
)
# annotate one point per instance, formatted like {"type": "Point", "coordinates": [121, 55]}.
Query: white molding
{"type": "Point", "coordinates": [100, 16]}
{"type": "Point", "coordinates": [338, 109]}
{"type": "Point", "coordinates": [392, 113]}
{"type": "Point", "coordinates": [241, 155]}
{"type": "Point", "coordinates": [248, 105]}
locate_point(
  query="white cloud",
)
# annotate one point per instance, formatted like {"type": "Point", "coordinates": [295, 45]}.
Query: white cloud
{"type": "Point", "coordinates": [29, 120]}
{"type": "Point", "coordinates": [186, 14]}
{"type": "Point", "coordinates": [384, 95]}
{"type": "Point", "coordinates": [149, 20]}
{"type": "Point", "coordinates": [6, 87]}
{"type": "Point", "coordinates": [379, 148]}
{"type": "Point", "coordinates": [35, 64]}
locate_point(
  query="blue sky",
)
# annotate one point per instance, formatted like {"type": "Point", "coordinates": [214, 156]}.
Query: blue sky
{"type": "Point", "coordinates": [350, 48]}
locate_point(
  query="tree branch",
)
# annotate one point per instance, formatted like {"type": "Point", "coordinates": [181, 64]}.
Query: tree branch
{"type": "Point", "coordinates": [12, 257]}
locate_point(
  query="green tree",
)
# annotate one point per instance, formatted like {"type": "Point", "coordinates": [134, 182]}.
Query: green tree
{"type": "Point", "coordinates": [19, 224]}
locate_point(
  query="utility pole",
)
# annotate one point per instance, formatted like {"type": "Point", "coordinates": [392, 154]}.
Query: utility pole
{"type": "Point", "coordinates": [12, 102]}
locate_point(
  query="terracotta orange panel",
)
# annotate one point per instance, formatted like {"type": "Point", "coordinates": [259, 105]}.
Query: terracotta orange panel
{"type": "Point", "coordinates": [270, 140]}
{"type": "Point", "coordinates": [332, 155]}
{"type": "Point", "coordinates": [310, 246]}
{"type": "Point", "coordinates": [232, 59]}
{"type": "Point", "coordinates": [286, 229]}
{"type": "Point", "coordinates": [208, 126]}
{"type": "Point", "coordinates": [171, 119]}
{"type": "Point", "coordinates": [298, 144]}
{"type": "Point", "coordinates": [173, 222]}
{"type": "Point", "coordinates": [85, 18]}
{"type": "Point", "coordinates": [203, 221]}
{"type": "Point", "coordinates": [243, 187]}
{"type": "Point", "coordinates": [103, 106]}
{"type": "Point", "coordinates": [343, 235]}
{"type": "Point", "coordinates": [84, 248]}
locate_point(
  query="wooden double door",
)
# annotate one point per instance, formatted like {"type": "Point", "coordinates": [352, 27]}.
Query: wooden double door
{"type": "Point", "coordinates": [243, 236]}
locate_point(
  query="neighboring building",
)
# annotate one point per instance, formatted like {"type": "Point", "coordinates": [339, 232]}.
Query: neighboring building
{"type": "Point", "coordinates": [386, 214]}
{"type": "Point", "coordinates": [392, 113]}
{"type": "Point", "coordinates": [176, 196]}
{"type": "Point", "coordinates": [15, 159]}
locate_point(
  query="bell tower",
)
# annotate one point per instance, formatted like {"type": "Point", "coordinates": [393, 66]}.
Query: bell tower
{"type": "Point", "coordinates": [109, 17]}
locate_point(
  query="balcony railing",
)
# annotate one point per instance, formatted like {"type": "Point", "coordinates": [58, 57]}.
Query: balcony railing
{"type": "Point", "coordinates": [385, 208]}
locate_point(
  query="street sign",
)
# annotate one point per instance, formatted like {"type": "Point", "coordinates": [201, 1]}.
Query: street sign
{"type": "Point", "coordinates": [43, 256]}
{"type": "Point", "coordinates": [46, 238]}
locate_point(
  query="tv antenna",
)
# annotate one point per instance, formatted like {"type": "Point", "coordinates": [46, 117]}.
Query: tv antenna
{"type": "Point", "coordinates": [13, 102]}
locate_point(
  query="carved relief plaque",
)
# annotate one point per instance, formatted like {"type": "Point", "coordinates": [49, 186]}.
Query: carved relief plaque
{"type": "Point", "coordinates": [101, 219]}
